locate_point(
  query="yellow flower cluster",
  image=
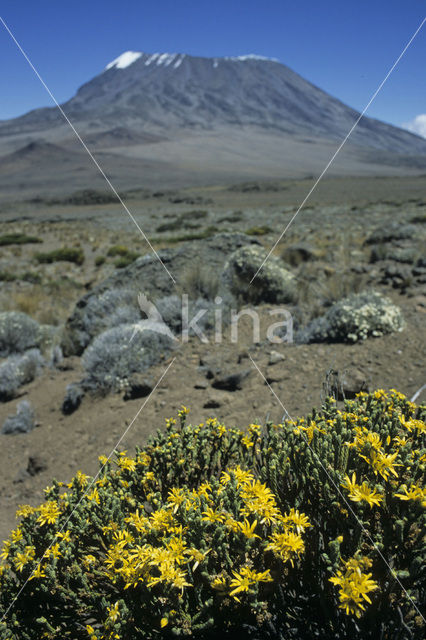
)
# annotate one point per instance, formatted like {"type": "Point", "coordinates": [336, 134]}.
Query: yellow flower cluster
{"type": "Point", "coordinates": [354, 585]}
{"type": "Point", "coordinates": [361, 493]}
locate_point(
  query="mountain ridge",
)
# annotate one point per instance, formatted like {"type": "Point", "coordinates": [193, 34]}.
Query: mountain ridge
{"type": "Point", "coordinates": [155, 106]}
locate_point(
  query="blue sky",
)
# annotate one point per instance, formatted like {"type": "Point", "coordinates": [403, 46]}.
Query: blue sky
{"type": "Point", "coordinates": [346, 48]}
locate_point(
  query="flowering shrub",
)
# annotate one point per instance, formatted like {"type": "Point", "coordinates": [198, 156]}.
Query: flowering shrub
{"type": "Point", "coordinates": [311, 528]}
{"type": "Point", "coordinates": [357, 317]}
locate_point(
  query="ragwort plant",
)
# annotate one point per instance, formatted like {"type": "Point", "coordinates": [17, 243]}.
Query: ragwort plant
{"type": "Point", "coordinates": [310, 528]}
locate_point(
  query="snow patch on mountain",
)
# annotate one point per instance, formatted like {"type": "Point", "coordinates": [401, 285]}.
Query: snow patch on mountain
{"type": "Point", "coordinates": [125, 60]}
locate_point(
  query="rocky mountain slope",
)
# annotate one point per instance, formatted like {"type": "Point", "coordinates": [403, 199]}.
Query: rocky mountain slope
{"type": "Point", "coordinates": [247, 115]}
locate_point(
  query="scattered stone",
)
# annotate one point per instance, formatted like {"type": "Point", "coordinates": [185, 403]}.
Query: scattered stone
{"type": "Point", "coordinates": [138, 387]}
{"type": "Point", "coordinates": [212, 403]}
{"type": "Point", "coordinates": [275, 357]}
{"type": "Point", "coordinates": [36, 464]}
{"type": "Point", "coordinates": [22, 422]}
{"type": "Point", "coordinates": [351, 383]}
{"type": "Point", "coordinates": [74, 394]}
{"type": "Point", "coordinates": [201, 384]}
{"type": "Point", "coordinates": [295, 254]}
{"type": "Point", "coordinates": [232, 381]}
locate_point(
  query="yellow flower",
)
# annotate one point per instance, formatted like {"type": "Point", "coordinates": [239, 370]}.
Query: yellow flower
{"type": "Point", "coordinates": [113, 613]}
{"type": "Point", "coordinates": [354, 585]}
{"type": "Point", "coordinates": [38, 573]}
{"type": "Point", "coordinates": [125, 463]}
{"type": "Point", "coordinates": [54, 551]}
{"type": "Point", "coordinates": [219, 584]}
{"type": "Point", "coordinates": [164, 622]}
{"type": "Point", "coordinates": [210, 515]}
{"type": "Point", "coordinates": [176, 497]}
{"type": "Point", "coordinates": [24, 510]}
{"type": "Point", "coordinates": [94, 496]}
{"type": "Point", "coordinates": [359, 493]}
{"type": "Point", "coordinates": [49, 513]}
{"type": "Point", "coordinates": [239, 584]}
{"type": "Point", "coordinates": [286, 546]}
{"type": "Point", "coordinates": [24, 558]}
{"type": "Point", "coordinates": [296, 519]}
{"type": "Point", "coordinates": [6, 548]}
{"type": "Point", "coordinates": [66, 537]}
{"type": "Point", "coordinates": [90, 630]}
{"type": "Point", "coordinates": [247, 529]}
{"type": "Point", "coordinates": [140, 522]}
{"type": "Point", "coordinates": [183, 411]}
{"type": "Point", "coordinates": [247, 442]}
{"type": "Point", "coordinates": [415, 492]}
{"type": "Point", "coordinates": [16, 535]}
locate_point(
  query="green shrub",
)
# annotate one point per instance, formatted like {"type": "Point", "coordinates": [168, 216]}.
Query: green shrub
{"type": "Point", "coordinates": [99, 261]}
{"type": "Point", "coordinates": [313, 528]}
{"type": "Point", "coordinates": [130, 257]}
{"type": "Point", "coordinates": [118, 250]}
{"type": "Point", "coordinates": [65, 254]}
{"type": "Point", "coordinates": [18, 238]}
{"type": "Point", "coordinates": [184, 221]}
{"type": "Point", "coordinates": [6, 276]}
{"type": "Point", "coordinates": [201, 235]}
{"type": "Point", "coordinates": [125, 255]}
{"type": "Point", "coordinates": [258, 231]}
{"type": "Point", "coordinates": [31, 276]}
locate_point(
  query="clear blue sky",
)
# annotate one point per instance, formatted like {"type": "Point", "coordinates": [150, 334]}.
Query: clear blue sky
{"type": "Point", "coordinates": [344, 47]}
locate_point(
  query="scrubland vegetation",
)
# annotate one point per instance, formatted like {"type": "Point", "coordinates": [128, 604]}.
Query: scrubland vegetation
{"type": "Point", "coordinates": [309, 528]}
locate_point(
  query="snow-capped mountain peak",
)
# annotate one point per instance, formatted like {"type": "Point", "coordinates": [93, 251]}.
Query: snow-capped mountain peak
{"type": "Point", "coordinates": [125, 60]}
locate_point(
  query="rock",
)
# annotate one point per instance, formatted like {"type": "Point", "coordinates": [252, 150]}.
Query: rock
{"type": "Point", "coordinates": [231, 381]}
{"type": "Point", "coordinates": [74, 394]}
{"type": "Point", "coordinates": [201, 384]}
{"type": "Point", "coordinates": [354, 318]}
{"type": "Point", "coordinates": [138, 387]}
{"type": "Point", "coordinates": [295, 254]}
{"type": "Point", "coordinates": [273, 283]}
{"type": "Point", "coordinates": [36, 464]}
{"type": "Point", "coordinates": [212, 403]}
{"type": "Point", "coordinates": [275, 357]}
{"type": "Point", "coordinates": [351, 383]}
{"type": "Point", "coordinates": [21, 422]}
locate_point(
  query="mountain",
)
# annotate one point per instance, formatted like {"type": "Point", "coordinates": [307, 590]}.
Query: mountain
{"type": "Point", "coordinates": [243, 114]}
